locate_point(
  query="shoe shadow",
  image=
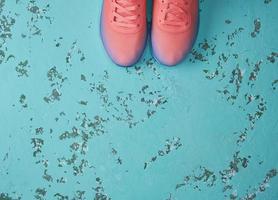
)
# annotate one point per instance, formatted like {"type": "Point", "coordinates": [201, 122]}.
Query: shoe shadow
{"type": "Point", "coordinates": [147, 54]}
{"type": "Point", "coordinates": [149, 11]}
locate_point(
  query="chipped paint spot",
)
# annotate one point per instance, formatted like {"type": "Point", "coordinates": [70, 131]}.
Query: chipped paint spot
{"type": "Point", "coordinates": [170, 145]}
{"type": "Point", "coordinates": [257, 28]}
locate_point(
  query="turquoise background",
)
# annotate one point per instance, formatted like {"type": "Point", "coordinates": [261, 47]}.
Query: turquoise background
{"type": "Point", "coordinates": [76, 126]}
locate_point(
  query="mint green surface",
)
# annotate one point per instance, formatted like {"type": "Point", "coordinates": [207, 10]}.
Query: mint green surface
{"type": "Point", "coordinates": [76, 126]}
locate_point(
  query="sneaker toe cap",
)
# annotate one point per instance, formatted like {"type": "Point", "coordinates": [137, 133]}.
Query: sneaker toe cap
{"type": "Point", "coordinates": [171, 50]}
{"type": "Point", "coordinates": [124, 49]}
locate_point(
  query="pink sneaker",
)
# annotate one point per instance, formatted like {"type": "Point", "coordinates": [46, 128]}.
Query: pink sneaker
{"type": "Point", "coordinates": [174, 28]}
{"type": "Point", "coordinates": [124, 30]}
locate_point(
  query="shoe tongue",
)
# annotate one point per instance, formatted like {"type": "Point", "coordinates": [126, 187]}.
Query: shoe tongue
{"type": "Point", "coordinates": [176, 12]}
{"type": "Point", "coordinates": [124, 14]}
{"type": "Point", "coordinates": [125, 3]}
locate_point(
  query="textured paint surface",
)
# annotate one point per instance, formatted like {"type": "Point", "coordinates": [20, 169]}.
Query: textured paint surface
{"type": "Point", "coordinates": [74, 126]}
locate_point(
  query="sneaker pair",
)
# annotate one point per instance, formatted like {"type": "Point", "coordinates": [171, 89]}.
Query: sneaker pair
{"type": "Point", "coordinates": [124, 29]}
